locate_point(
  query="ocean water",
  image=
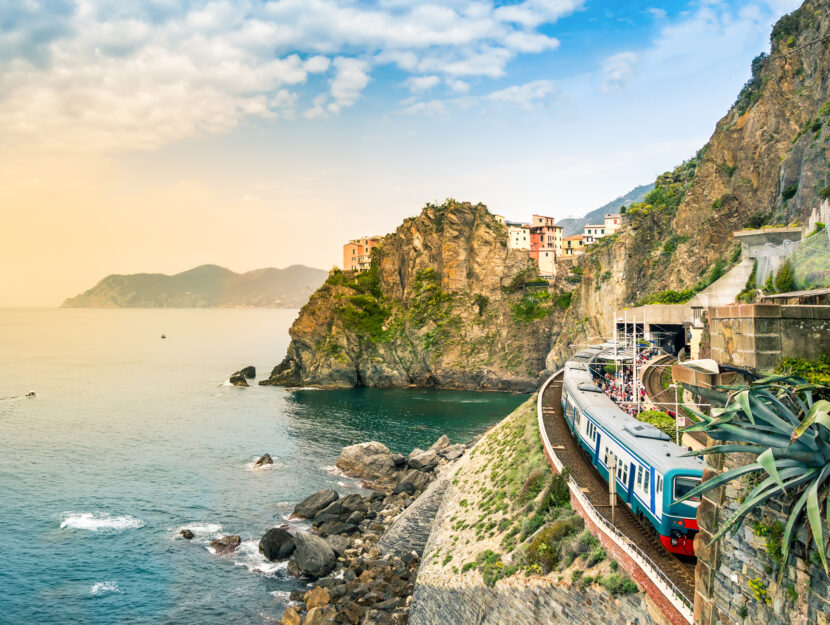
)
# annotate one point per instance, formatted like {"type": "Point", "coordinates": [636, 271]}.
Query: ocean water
{"type": "Point", "coordinates": [131, 438]}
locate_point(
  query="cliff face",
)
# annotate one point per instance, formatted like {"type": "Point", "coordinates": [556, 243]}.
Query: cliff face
{"type": "Point", "coordinates": [766, 163]}
{"type": "Point", "coordinates": [443, 305]}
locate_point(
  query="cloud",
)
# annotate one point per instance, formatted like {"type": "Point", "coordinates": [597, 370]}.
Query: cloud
{"type": "Point", "coordinates": [618, 70]}
{"type": "Point", "coordinates": [107, 76]}
{"type": "Point", "coordinates": [417, 84]}
{"type": "Point", "coordinates": [657, 13]}
{"type": "Point", "coordinates": [527, 96]}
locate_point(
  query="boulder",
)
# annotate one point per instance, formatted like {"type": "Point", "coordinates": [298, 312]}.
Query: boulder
{"type": "Point", "coordinates": [453, 452]}
{"type": "Point", "coordinates": [226, 544]}
{"type": "Point", "coordinates": [399, 460]}
{"type": "Point", "coordinates": [411, 481]}
{"type": "Point", "coordinates": [276, 544]}
{"type": "Point", "coordinates": [317, 597]}
{"type": "Point", "coordinates": [263, 460]}
{"type": "Point", "coordinates": [290, 617]}
{"type": "Point", "coordinates": [346, 526]}
{"type": "Point", "coordinates": [312, 504]}
{"type": "Point", "coordinates": [440, 444]}
{"type": "Point", "coordinates": [320, 616]}
{"type": "Point", "coordinates": [341, 509]}
{"type": "Point", "coordinates": [339, 544]}
{"type": "Point", "coordinates": [371, 460]}
{"type": "Point", "coordinates": [353, 612]}
{"type": "Point", "coordinates": [313, 555]}
{"type": "Point", "coordinates": [187, 534]}
{"type": "Point", "coordinates": [423, 460]}
{"type": "Point", "coordinates": [249, 372]}
{"type": "Point", "coordinates": [237, 379]}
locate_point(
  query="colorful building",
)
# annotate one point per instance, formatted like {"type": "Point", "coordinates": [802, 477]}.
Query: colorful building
{"type": "Point", "coordinates": [613, 223]}
{"type": "Point", "coordinates": [545, 243]}
{"type": "Point", "coordinates": [593, 233]}
{"type": "Point", "coordinates": [573, 245]}
{"type": "Point", "coordinates": [518, 236]}
{"type": "Point", "coordinates": [357, 253]}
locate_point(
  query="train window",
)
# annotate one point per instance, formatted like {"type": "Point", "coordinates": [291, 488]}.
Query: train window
{"type": "Point", "coordinates": [640, 475]}
{"type": "Point", "coordinates": [659, 483]}
{"type": "Point", "coordinates": [645, 481]}
{"type": "Point", "coordinates": [683, 485]}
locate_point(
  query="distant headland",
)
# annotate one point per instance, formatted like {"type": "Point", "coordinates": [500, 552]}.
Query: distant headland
{"type": "Point", "coordinates": [206, 286]}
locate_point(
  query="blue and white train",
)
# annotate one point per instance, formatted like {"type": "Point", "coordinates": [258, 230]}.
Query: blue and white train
{"type": "Point", "coordinates": [651, 474]}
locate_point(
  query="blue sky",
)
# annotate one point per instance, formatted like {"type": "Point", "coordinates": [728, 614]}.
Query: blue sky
{"type": "Point", "coordinates": [265, 133]}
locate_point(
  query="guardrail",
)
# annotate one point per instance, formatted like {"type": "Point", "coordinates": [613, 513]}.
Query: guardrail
{"type": "Point", "coordinates": [662, 582]}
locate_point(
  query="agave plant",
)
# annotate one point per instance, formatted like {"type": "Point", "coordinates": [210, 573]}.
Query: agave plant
{"type": "Point", "coordinates": [777, 419]}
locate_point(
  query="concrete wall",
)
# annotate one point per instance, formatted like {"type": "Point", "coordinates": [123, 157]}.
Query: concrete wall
{"type": "Point", "coordinates": [760, 336]}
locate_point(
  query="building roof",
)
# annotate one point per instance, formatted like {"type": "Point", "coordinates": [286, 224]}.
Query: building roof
{"type": "Point", "coordinates": [573, 237]}
{"type": "Point", "coordinates": [595, 225]}
{"type": "Point", "coordinates": [612, 215]}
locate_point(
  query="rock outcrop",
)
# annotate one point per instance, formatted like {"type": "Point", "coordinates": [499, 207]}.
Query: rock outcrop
{"type": "Point", "coordinates": [313, 555]}
{"type": "Point", "coordinates": [226, 544]}
{"type": "Point", "coordinates": [764, 164]}
{"type": "Point", "coordinates": [277, 544]}
{"type": "Point", "coordinates": [263, 460]}
{"type": "Point", "coordinates": [370, 460]}
{"type": "Point", "coordinates": [312, 504]}
{"type": "Point", "coordinates": [444, 305]}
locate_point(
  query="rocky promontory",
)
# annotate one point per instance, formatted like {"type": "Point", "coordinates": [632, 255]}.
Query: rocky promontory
{"type": "Point", "coordinates": [445, 304]}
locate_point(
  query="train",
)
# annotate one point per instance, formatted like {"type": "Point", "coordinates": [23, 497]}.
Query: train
{"type": "Point", "coordinates": [652, 472]}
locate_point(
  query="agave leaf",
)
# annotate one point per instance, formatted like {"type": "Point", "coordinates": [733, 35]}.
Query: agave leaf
{"type": "Point", "coordinates": [724, 449]}
{"type": "Point", "coordinates": [814, 516]}
{"type": "Point", "coordinates": [716, 481]}
{"type": "Point", "coordinates": [763, 412]}
{"type": "Point", "coordinates": [819, 413]}
{"type": "Point", "coordinates": [771, 379]}
{"type": "Point", "coordinates": [788, 530]}
{"type": "Point", "coordinates": [742, 399]}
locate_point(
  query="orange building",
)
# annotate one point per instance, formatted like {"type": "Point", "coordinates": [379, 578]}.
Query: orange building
{"type": "Point", "coordinates": [357, 253]}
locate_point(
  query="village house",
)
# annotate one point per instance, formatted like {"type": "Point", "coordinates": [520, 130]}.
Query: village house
{"type": "Point", "coordinates": [545, 243]}
{"type": "Point", "coordinates": [613, 223]}
{"type": "Point", "coordinates": [357, 253]}
{"type": "Point", "coordinates": [518, 236]}
{"type": "Point", "coordinates": [573, 245]}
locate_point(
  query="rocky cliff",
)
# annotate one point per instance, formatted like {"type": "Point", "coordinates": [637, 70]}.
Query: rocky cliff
{"type": "Point", "coordinates": [766, 163]}
{"type": "Point", "coordinates": [445, 304]}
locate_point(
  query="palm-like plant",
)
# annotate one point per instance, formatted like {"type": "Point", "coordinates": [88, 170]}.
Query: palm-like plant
{"type": "Point", "coordinates": [777, 419]}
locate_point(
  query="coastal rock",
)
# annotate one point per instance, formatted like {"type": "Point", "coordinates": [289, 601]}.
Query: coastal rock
{"type": "Point", "coordinates": [290, 617]}
{"type": "Point", "coordinates": [249, 372]}
{"type": "Point", "coordinates": [320, 616]}
{"type": "Point", "coordinates": [339, 544]}
{"type": "Point", "coordinates": [226, 544]}
{"type": "Point", "coordinates": [317, 597]}
{"type": "Point", "coordinates": [411, 482]}
{"type": "Point", "coordinates": [440, 444]}
{"type": "Point", "coordinates": [341, 509]}
{"type": "Point", "coordinates": [313, 555]}
{"type": "Point", "coordinates": [399, 460]}
{"type": "Point", "coordinates": [312, 504]}
{"type": "Point", "coordinates": [276, 544]}
{"type": "Point", "coordinates": [237, 379]}
{"type": "Point", "coordinates": [423, 460]}
{"type": "Point", "coordinates": [263, 460]}
{"type": "Point", "coordinates": [453, 452]}
{"type": "Point", "coordinates": [187, 534]}
{"type": "Point", "coordinates": [371, 460]}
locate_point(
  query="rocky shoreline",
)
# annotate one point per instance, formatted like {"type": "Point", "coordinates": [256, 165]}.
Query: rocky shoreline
{"type": "Point", "coordinates": [358, 582]}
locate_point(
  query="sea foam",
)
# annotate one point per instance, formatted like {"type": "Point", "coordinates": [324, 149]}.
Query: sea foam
{"type": "Point", "coordinates": [97, 521]}
{"type": "Point", "coordinates": [99, 588]}
{"type": "Point", "coordinates": [248, 555]}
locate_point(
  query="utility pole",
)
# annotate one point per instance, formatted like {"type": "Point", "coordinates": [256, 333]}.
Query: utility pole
{"type": "Point", "coordinates": [612, 485]}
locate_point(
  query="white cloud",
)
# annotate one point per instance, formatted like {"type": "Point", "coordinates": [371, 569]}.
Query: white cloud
{"type": "Point", "coordinates": [526, 96]}
{"type": "Point", "coordinates": [618, 70]}
{"type": "Point", "coordinates": [108, 76]}
{"type": "Point", "coordinates": [417, 84]}
{"type": "Point", "coordinates": [657, 13]}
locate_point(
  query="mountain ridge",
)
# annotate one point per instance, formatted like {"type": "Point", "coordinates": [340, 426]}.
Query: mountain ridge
{"type": "Point", "coordinates": [204, 286]}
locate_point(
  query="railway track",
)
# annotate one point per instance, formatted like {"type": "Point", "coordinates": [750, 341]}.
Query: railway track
{"type": "Point", "coordinates": [653, 383]}
{"type": "Point", "coordinates": [679, 569]}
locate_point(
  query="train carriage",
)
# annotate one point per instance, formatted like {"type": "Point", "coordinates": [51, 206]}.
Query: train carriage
{"type": "Point", "coordinates": [651, 471]}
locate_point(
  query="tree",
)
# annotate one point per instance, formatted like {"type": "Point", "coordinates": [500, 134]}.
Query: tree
{"type": "Point", "coordinates": [784, 278]}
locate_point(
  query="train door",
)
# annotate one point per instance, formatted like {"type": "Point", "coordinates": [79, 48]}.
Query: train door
{"type": "Point", "coordinates": [642, 488]}
{"type": "Point", "coordinates": [632, 469]}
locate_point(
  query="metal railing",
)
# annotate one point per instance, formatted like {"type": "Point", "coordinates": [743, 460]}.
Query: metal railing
{"type": "Point", "coordinates": [660, 579]}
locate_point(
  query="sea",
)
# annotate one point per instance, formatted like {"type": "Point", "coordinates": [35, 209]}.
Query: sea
{"type": "Point", "coordinates": [132, 437]}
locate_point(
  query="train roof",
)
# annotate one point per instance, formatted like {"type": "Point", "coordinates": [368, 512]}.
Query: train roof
{"type": "Point", "coordinates": [646, 441]}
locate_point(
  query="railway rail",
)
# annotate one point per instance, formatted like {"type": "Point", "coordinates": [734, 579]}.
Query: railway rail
{"type": "Point", "coordinates": [677, 571]}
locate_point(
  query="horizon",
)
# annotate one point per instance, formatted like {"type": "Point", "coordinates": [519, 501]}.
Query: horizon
{"type": "Point", "coordinates": [146, 140]}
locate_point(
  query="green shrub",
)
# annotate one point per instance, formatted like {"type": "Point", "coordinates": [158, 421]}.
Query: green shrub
{"type": "Point", "coordinates": [670, 245]}
{"type": "Point", "coordinates": [532, 486]}
{"type": "Point", "coordinates": [481, 302]}
{"type": "Point", "coordinates": [814, 371]}
{"type": "Point", "coordinates": [660, 420]}
{"type": "Point", "coordinates": [618, 584]}
{"type": "Point", "coordinates": [596, 556]}
{"type": "Point", "coordinates": [789, 191]}
{"type": "Point", "coordinates": [784, 278]}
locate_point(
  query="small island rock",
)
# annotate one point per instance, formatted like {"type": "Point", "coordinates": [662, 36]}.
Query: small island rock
{"type": "Point", "coordinates": [263, 460]}
{"type": "Point", "coordinates": [237, 379]}
{"type": "Point", "coordinates": [187, 534]}
{"type": "Point", "coordinates": [276, 544]}
{"type": "Point", "coordinates": [226, 544]}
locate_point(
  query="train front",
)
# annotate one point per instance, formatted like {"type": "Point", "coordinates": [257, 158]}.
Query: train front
{"type": "Point", "coordinates": [679, 525]}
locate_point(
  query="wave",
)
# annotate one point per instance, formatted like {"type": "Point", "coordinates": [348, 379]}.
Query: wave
{"type": "Point", "coordinates": [334, 470]}
{"type": "Point", "coordinates": [203, 531]}
{"type": "Point", "coordinates": [97, 521]}
{"type": "Point", "coordinates": [248, 555]}
{"type": "Point", "coordinates": [102, 587]}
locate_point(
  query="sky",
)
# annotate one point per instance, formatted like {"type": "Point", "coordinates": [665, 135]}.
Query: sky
{"type": "Point", "coordinates": [157, 136]}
